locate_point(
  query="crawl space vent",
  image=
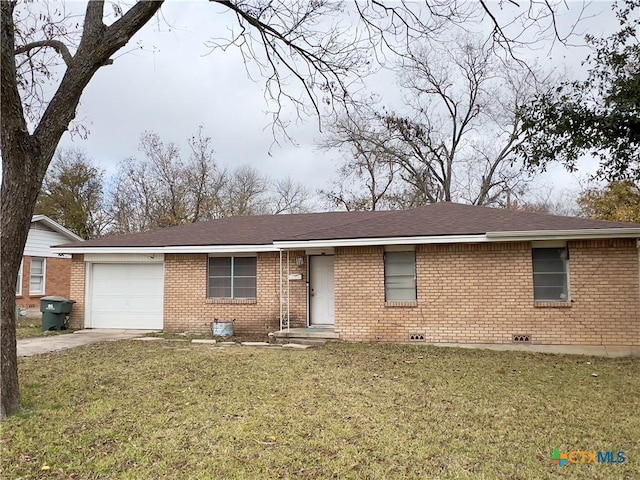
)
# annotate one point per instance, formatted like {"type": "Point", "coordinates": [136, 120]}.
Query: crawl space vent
{"type": "Point", "coordinates": [522, 338]}
{"type": "Point", "coordinates": [416, 337]}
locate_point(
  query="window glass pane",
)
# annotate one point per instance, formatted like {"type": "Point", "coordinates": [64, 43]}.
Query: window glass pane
{"type": "Point", "coordinates": [550, 274]}
{"type": "Point", "coordinates": [400, 282]}
{"type": "Point", "coordinates": [220, 266]}
{"type": "Point", "coordinates": [244, 266]}
{"type": "Point", "coordinates": [548, 265]}
{"type": "Point", "coordinates": [35, 286]}
{"type": "Point", "coordinates": [19, 281]}
{"type": "Point", "coordinates": [549, 280]}
{"type": "Point", "coordinates": [551, 294]}
{"type": "Point", "coordinates": [232, 277]}
{"type": "Point", "coordinates": [400, 276]}
{"type": "Point", "coordinates": [220, 287]}
{"type": "Point", "coordinates": [403, 268]}
{"type": "Point", "coordinates": [37, 266]}
{"type": "Point", "coordinates": [244, 287]}
{"type": "Point", "coordinates": [401, 295]}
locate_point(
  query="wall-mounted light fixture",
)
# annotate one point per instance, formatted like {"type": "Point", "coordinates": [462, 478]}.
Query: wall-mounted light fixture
{"type": "Point", "coordinates": [300, 261]}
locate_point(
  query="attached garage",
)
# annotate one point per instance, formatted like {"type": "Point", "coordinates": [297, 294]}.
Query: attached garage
{"type": "Point", "coordinates": [125, 295]}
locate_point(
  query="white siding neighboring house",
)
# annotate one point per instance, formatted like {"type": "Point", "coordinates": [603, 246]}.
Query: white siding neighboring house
{"type": "Point", "coordinates": [43, 272]}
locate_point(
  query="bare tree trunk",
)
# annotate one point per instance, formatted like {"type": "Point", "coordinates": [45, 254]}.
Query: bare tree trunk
{"type": "Point", "coordinates": [25, 157]}
{"type": "Point", "coordinates": [16, 204]}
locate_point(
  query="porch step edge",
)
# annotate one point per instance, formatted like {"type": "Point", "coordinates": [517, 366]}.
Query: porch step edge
{"type": "Point", "coordinates": [301, 341]}
{"type": "Point", "coordinates": [321, 334]}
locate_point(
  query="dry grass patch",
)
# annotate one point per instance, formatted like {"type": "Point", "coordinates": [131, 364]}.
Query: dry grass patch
{"type": "Point", "coordinates": [32, 327]}
{"type": "Point", "coordinates": [174, 410]}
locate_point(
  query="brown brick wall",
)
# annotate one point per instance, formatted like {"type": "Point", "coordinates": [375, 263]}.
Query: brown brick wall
{"type": "Point", "coordinates": [467, 293]}
{"type": "Point", "coordinates": [482, 293]}
{"type": "Point", "coordinates": [186, 308]}
{"type": "Point", "coordinates": [57, 281]}
{"type": "Point", "coordinates": [76, 319]}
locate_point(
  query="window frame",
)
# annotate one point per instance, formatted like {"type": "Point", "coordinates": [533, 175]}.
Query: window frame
{"type": "Point", "coordinates": [43, 275]}
{"type": "Point", "coordinates": [20, 279]}
{"type": "Point", "coordinates": [387, 253]}
{"type": "Point", "coordinates": [565, 262]}
{"type": "Point", "coordinates": [232, 277]}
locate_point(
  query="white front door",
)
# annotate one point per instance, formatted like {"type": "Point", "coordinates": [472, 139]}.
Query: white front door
{"type": "Point", "coordinates": [321, 290]}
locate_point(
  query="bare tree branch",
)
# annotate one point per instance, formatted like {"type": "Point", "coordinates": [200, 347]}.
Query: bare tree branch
{"type": "Point", "coordinates": [57, 45]}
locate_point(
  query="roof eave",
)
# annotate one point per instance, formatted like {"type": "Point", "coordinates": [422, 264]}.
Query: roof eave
{"type": "Point", "coordinates": [364, 242]}
{"type": "Point", "coordinates": [582, 234]}
{"type": "Point", "coordinates": [520, 236]}
{"type": "Point", "coordinates": [57, 227]}
{"type": "Point", "coordinates": [169, 249]}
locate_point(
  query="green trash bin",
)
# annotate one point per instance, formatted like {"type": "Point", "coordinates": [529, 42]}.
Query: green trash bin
{"type": "Point", "coordinates": [55, 312]}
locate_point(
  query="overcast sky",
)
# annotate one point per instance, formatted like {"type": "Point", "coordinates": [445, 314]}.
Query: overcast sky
{"type": "Point", "coordinates": [175, 83]}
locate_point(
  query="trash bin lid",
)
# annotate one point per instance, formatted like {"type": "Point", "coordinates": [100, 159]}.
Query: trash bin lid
{"type": "Point", "coordinates": [54, 298]}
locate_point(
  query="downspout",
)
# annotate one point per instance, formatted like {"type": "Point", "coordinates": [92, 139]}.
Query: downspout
{"type": "Point", "coordinates": [280, 298]}
{"type": "Point", "coordinates": [288, 294]}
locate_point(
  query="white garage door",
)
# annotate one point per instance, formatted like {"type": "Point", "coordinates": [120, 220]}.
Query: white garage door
{"type": "Point", "coordinates": [127, 296]}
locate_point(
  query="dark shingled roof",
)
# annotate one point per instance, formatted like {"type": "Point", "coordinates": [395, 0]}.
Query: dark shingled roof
{"type": "Point", "coordinates": [431, 220]}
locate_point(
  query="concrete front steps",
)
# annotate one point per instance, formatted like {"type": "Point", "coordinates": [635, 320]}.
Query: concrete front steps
{"type": "Point", "coordinates": [305, 336]}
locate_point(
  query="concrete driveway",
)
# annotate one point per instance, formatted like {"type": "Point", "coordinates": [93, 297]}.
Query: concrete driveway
{"type": "Point", "coordinates": [35, 346]}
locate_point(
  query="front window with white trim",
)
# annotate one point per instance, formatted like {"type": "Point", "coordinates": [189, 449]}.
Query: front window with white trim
{"type": "Point", "coordinates": [19, 282]}
{"type": "Point", "coordinates": [37, 276]}
{"type": "Point", "coordinates": [232, 277]}
{"type": "Point", "coordinates": [551, 274]}
{"type": "Point", "coordinates": [400, 276]}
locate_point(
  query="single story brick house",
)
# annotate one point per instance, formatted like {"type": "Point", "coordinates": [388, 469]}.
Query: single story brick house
{"type": "Point", "coordinates": [442, 273]}
{"type": "Point", "coordinates": [43, 271]}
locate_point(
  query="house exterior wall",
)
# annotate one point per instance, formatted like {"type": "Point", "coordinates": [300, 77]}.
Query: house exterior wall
{"type": "Point", "coordinates": [466, 293]}
{"type": "Point", "coordinates": [483, 293]}
{"type": "Point", "coordinates": [77, 292]}
{"type": "Point", "coordinates": [57, 270]}
{"type": "Point", "coordinates": [41, 239]}
{"type": "Point", "coordinates": [187, 308]}
{"type": "Point", "coordinates": [57, 282]}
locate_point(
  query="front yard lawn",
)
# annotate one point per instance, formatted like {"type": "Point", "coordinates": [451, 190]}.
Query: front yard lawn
{"type": "Point", "coordinates": [175, 410]}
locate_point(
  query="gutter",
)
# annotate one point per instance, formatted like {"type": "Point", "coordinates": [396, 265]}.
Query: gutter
{"type": "Point", "coordinates": [170, 249]}
{"type": "Point", "coordinates": [584, 234]}
{"type": "Point", "coordinates": [276, 246]}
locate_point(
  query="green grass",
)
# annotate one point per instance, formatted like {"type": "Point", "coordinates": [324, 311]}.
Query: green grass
{"type": "Point", "coordinates": [32, 327]}
{"type": "Point", "coordinates": [137, 410]}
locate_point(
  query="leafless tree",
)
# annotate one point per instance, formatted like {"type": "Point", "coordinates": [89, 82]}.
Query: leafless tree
{"type": "Point", "coordinates": [162, 189]}
{"type": "Point", "coordinates": [456, 142]}
{"type": "Point", "coordinates": [548, 201]}
{"type": "Point", "coordinates": [365, 178]}
{"type": "Point", "coordinates": [244, 193]}
{"type": "Point", "coordinates": [297, 40]}
{"type": "Point", "coordinates": [289, 196]}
